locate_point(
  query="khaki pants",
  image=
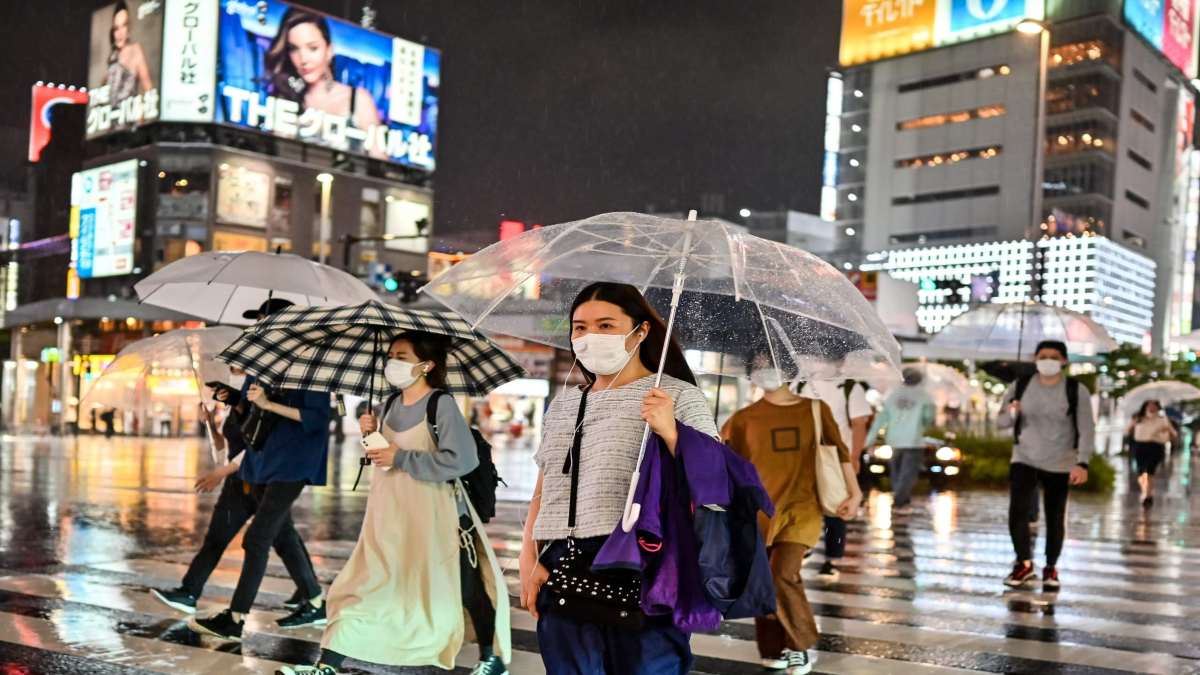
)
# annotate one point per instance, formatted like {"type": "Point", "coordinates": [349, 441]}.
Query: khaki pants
{"type": "Point", "coordinates": [792, 626]}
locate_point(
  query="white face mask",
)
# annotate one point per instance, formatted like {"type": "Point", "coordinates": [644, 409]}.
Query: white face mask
{"type": "Point", "coordinates": [603, 354]}
{"type": "Point", "coordinates": [767, 379]}
{"type": "Point", "coordinates": [402, 374]}
{"type": "Point", "coordinates": [1049, 367]}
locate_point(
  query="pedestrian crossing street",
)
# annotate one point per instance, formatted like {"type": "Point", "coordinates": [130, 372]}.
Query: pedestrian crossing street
{"type": "Point", "coordinates": [920, 596]}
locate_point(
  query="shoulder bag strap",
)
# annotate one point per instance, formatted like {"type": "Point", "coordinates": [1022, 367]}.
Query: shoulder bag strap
{"type": "Point", "coordinates": [571, 464]}
{"type": "Point", "coordinates": [818, 431]}
{"type": "Point", "coordinates": [431, 407]}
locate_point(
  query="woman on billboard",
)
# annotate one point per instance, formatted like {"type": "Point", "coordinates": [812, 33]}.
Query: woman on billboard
{"type": "Point", "coordinates": [128, 75]}
{"type": "Point", "coordinates": [300, 68]}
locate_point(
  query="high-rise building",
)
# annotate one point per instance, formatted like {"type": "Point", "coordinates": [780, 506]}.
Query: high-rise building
{"type": "Point", "coordinates": [963, 122]}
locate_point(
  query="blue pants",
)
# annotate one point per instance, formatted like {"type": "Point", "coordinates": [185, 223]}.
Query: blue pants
{"type": "Point", "coordinates": [572, 647]}
{"type": "Point", "coordinates": [906, 469]}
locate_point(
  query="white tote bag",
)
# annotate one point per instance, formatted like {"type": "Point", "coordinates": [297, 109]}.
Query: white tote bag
{"type": "Point", "coordinates": [831, 482]}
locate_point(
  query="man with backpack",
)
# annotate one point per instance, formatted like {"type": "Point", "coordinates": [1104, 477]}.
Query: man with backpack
{"type": "Point", "coordinates": [1054, 436]}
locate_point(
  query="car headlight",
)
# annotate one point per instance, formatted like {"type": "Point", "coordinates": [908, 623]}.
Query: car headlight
{"type": "Point", "coordinates": [883, 452]}
{"type": "Point", "coordinates": [952, 471]}
{"type": "Point", "coordinates": [948, 454]}
{"type": "Point", "coordinates": [877, 468]}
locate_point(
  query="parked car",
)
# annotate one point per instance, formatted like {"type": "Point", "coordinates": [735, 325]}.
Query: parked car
{"type": "Point", "coordinates": [943, 461]}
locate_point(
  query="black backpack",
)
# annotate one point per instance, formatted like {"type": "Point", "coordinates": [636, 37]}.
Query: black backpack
{"type": "Point", "coordinates": [1072, 405]}
{"type": "Point", "coordinates": [482, 482]}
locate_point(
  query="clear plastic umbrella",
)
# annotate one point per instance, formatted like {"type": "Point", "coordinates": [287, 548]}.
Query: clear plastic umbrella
{"type": "Point", "coordinates": [1012, 331]}
{"type": "Point", "coordinates": [947, 385]}
{"type": "Point", "coordinates": [721, 289]}
{"type": "Point", "coordinates": [1165, 392]}
{"type": "Point", "coordinates": [220, 286]}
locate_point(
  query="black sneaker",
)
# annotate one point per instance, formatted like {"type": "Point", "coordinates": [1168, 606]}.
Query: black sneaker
{"type": "Point", "coordinates": [1050, 579]}
{"type": "Point", "coordinates": [1022, 574]}
{"type": "Point", "coordinates": [798, 663]}
{"type": "Point", "coordinates": [219, 625]}
{"type": "Point", "coordinates": [305, 669]}
{"type": "Point", "coordinates": [490, 666]}
{"type": "Point", "coordinates": [296, 600]}
{"type": "Point", "coordinates": [305, 615]}
{"type": "Point", "coordinates": [176, 599]}
{"type": "Point", "coordinates": [828, 573]}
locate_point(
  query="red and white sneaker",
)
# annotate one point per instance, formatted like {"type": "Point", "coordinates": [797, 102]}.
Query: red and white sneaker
{"type": "Point", "coordinates": [1050, 580]}
{"type": "Point", "coordinates": [1022, 574]}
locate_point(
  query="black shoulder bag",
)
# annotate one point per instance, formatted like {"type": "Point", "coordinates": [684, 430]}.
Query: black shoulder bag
{"type": "Point", "coordinates": [257, 425]}
{"type": "Point", "coordinates": [611, 597]}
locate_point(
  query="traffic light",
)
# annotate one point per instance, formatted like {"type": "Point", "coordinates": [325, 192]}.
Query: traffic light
{"type": "Point", "coordinates": [391, 284]}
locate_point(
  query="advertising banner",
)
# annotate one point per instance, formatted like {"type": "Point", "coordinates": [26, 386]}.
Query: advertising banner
{"type": "Point", "coordinates": [124, 66]}
{"type": "Point", "coordinates": [103, 219]}
{"type": "Point", "coordinates": [299, 74]}
{"type": "Point", "coordinates": [879, 29]}
{"type": "Point", "coordinates": [45, 97]}
{"type": "Point", "coordinates": [243, 196]}
{"type": "Point", "coordinates": [189, 60]}
{"type": "Point", "coordinates": [1169, 26]}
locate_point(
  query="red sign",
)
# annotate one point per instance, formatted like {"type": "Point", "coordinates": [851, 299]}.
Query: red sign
{"type": "Point", "coordinates": [45, 97]}
{"type": "Point", "coordinates": [866, 282]}
{"type": "Point", "coordinates": [510, 229]}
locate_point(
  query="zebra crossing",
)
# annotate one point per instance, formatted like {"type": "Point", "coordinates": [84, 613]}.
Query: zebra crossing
{"type": "Point", "coordinates": [920, 596]}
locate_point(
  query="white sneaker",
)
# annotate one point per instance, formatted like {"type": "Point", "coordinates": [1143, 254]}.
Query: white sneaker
{"type": "Point", "coordinates": [778, 663]}
{"type": "Point", "coordinates": [798, 663]}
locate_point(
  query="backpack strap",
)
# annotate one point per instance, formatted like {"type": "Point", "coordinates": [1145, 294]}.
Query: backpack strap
{"type": "Point", "coordinates": [387, 404]}
{"type": "Point", "coordinates": [1072, 407]}
{"type": "Point", "coordinates": [1022, 384]}
{"type": "Point", "coordinates": [431, 408]}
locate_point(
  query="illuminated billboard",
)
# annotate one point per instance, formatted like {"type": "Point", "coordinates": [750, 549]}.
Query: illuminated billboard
{"type": "Point", "coordinates": [125, 66]}
{"type": "Point", "coordinates": [1170, 26]}
{"type": "Point", "coordinates": [104, 219]}
{"type": "Point", "coordinates": [299, 74]}
{"type": "Point", "coordinates": [880, 29]}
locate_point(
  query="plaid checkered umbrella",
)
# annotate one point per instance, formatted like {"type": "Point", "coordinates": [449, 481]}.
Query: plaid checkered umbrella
{"type": "Point", "coordinates": [344, 349]}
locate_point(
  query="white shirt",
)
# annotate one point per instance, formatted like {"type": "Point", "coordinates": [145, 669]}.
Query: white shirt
{"type": "Point", "coordinates": [834, 396]}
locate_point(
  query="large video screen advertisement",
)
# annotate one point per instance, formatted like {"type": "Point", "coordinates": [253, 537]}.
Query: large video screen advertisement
{"type": "Point", "coordinates": [124, 66]}
{"type": "Point", "coordinates": [296, 73]}
{"type": "Point", "coordinates": [1169, 25]}
{"type": "Point", "coordinates": [104, 219]}
{"type": "Point", "coordinates": [880, 29]}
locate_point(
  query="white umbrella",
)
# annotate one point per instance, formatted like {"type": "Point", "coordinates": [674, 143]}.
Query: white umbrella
{"type": "Point", "coordinates": [1012, 332]}
{"type": "Point", "coordinates": [219, 286]}
{"type": "Point", "coordinates": [1165, 392]}
{"type": "Point", "coordinates": [946, 385]}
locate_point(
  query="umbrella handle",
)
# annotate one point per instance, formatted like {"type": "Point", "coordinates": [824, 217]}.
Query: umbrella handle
{"type": "Point", "coordinates": [632, 511]}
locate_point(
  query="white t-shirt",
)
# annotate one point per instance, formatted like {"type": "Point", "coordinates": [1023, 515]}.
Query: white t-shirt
{"type": "Point", "coordinates": [834, 396]}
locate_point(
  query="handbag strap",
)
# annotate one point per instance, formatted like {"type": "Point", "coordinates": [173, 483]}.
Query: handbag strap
{"type": "Point", "coordinates": [818, 430]}
{"type": "Point", "coordinates": [571, 464]}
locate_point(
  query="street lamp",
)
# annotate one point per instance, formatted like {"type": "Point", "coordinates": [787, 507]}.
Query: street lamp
{"type": "Point", "coordinates": [745, 213]}
{"type": "Point", "coordinates": [1041, 31]}
{"type": "Point", "coordinates": [1031, 26]}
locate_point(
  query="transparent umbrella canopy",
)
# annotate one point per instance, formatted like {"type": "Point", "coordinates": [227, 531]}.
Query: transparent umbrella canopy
{"type": "Point", "coordinates": [721, 290]}
{"type": "Point", "coordinates": [1013, 331]}
{"type": "Point", "coordinates": [1166, 392]}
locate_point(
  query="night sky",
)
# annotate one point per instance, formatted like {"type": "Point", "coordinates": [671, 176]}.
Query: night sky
{"type": "Point", "coordinates": [553, 110]}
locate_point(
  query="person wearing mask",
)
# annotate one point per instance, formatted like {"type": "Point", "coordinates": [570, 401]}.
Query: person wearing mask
{"type": "Point", "coordinates": [852, 412]}
{"type": "Point", "coordinates": [233, 509]}
{"type": "Point", "coordinates": [618, 339]}
{"type": "Point", "coordinates": [294, 454]}
{"type": "Point", "coordinates": [907, 412]}
{"type": "Point", "coordinates": [778, 434]}
{"type": "Point", "coordinates": [391, 603]}
{"type": "Point", "coordinates": [1054, 435]}
{"type": "Point", "coordinates": [1150, 430]}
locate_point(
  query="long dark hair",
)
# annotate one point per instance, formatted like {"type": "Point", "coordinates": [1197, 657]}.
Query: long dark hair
{"type": "Point", "coordinates": [635, 306]}
{"type": "Point", "coordinates": [113, 54]}
{"type": "Point", "coordinates": [281, 74]}
{"type": "Point", "coordinates": [1141, 413]}
{"type": "Point", "coordinates": [432, 348]}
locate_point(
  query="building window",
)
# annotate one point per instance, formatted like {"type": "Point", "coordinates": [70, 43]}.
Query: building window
{"type": "Point", "coordinates": [951, 157]}
{"type": "Point", "coordinates": [1137, 199]}
{"type": "Point", "coordinates": [1145, 81]}
{"type": "Point", "coordinates": [1078, 179]}
{"type": "Point", "coordinates": [947, 195]}
{"type": "Point", "coordinates": [1139, 160]}
{"type": "Point", "coordinates": [1141, 119]}
{"type": "Point", "coordinates": [1082, 92]}
{"type": "Point", "coordinates": [957, 117]}
{"type": "Point", "coordinates": [964, 76]}
{"type": "Point", "coordinates": [1089, 135]}
{"type": "Point", "coordinates": [958, 233]}
{"type": "Point", "coordinates": [1086, 51]}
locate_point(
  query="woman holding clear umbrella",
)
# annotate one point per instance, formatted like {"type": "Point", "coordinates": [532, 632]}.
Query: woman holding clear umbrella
{"type": "Point", "coordinates": [617, 338]}
{"type": "Point", "coordinates": [1151, 431]}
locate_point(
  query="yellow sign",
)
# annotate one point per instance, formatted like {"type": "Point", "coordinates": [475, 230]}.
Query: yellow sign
{"type": "Point", "coordinates": [878, 29]}
{"type": "Point", "coordinates": [232, 241]}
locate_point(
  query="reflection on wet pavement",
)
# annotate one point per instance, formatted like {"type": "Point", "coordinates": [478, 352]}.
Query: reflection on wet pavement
{"type": "Point", "coordinates": [87, 525]}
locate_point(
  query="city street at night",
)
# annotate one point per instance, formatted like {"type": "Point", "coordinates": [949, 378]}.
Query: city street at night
{"type": "Point", "coordinates": [88, 525]}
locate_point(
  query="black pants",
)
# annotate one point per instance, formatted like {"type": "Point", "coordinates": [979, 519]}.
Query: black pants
{"type": "Point", "coordinates": [474, 598]}
{"type": "Point", "coordinates": [1023, 501]}
{"type": "Point", "coordinates": [835, 537]}
{"type": "Point", "coordinates": [234, 507]}
{"type": "Point", "coordinates": [273, 524]}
